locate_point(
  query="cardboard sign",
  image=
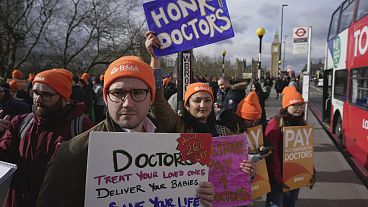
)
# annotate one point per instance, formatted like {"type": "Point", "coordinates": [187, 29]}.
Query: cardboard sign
{"type": "Point", "coordinates": [184, 25]}
{"type": "Point", "coordinates": [232, 185]}
{"type": "Point", "coordinates": [298, 156]}
{"type": "Point", "coordinates": [145, 169]}
{"type": "Point", "coordinates": [261, 182]}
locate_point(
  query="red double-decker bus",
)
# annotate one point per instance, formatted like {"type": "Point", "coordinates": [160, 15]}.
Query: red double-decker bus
{"type": "Point", "coordinates": [345, 87]}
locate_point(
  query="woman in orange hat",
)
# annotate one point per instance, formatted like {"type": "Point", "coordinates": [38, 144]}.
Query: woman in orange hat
{"type": "Point", "coordinates": [291, 114]}
{"type": "Point", "coordinates": [198, 115]}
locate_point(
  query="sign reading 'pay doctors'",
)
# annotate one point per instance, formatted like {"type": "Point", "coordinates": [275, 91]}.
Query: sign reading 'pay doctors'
{"type": "Point", "coordinates": [298, 156]}
{"type": "Point", "coordinates": [184, 25]}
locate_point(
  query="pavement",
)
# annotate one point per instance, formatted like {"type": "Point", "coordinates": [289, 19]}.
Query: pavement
{"type": "Point", "coordinates": [337, 184]}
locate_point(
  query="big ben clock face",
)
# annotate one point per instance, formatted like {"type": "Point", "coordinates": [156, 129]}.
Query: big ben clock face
{"type": "Point", "coordinates": [275, 49]}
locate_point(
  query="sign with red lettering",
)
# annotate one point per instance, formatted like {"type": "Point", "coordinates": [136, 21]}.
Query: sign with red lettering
{"type": "Point", "coordinates": [145, 169]}
{"type": "Point", "coordinates": [232, 185]}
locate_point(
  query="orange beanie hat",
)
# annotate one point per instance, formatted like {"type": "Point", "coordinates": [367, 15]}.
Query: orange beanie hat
{"type": "Point", "coordinates": [130, 67]}
{"type": "Point", "coordinates": [290, 97]}
{"type": "Point", "coordinates": [197, 87]}
{"type": "Point", "coordinates": [58, 79]}
{"type": "Point", "coordinates": [13, 84]}
{"type": "Point", "coordinates": [85, 77]}
{"type": "Point", "coordinates": [101, 77]}
{"type": "Point", "coordinates": [30, 77]}
{"type": "Point", "coordinates": [17, 74]}
{"type": "Point", "coordinates": [287, 89]}
{"type": "Point", "coordinates": [249, 108]}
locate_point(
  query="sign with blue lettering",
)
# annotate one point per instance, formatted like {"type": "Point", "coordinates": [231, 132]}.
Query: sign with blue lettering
{"type": "Point", "coordinates": [137, 169]}
{"type": "Point", "coordinates": [186, 24]}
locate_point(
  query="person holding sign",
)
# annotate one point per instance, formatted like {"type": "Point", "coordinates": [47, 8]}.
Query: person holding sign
{"type": "Point", "coordinates": [31, 140]}
{"type": "Point", "coordinates": [129, 91]}
{"type": "Point", "coordinates": [291, 114]}
{"type": "Point", "coordinates": [198, 116]}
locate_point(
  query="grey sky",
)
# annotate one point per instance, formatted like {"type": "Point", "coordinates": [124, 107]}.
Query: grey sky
{"type": "Point", "coordinates": [248, 15]}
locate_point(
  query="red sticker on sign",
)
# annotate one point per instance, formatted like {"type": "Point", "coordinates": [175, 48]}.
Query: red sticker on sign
{"type": "Point", "coordinates": [195, 147]}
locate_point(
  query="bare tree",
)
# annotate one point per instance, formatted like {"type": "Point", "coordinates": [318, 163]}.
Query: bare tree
{"type": "Point", "coordinates": [21, 24]}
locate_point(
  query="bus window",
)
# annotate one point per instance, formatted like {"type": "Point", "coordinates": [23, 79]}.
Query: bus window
{"type": "Point", "coordinates": [359, 88]}
{"type": "Point", "coordinates": [341, 84]}
{"type": "Point", "coordinates": [334, 23]}
{"type": "Point", "coordinates": [362, 9]}
{"type": "Point", "coordinates": [346, 16]}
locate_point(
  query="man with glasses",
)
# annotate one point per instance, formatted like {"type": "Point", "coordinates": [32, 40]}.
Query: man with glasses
{"type": "Point", "coordinates": [129, 91]}
{"type": "Point", "coordinates": [31, 140]}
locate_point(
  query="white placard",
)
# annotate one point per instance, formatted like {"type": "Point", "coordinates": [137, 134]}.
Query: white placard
{"type": "Point", "coordinates": [6, 170]}
{"type": "Point", "coordinates": [140, 169]}
{"type": "Point", "coordinates": [6, 174]}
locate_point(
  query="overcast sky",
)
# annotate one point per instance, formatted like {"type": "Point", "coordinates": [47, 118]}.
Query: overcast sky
{"type": "Point", "coordinates": [248, 15]}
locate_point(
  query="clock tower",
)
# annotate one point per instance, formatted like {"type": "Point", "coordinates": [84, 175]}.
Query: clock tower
{"type": "Point", "coordinates": [275, 54]}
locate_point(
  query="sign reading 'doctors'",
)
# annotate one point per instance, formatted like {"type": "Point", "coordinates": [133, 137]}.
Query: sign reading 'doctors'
{"type": "Point", "coordinates": [232, 185]}
{"type": "Point", "coordinates": [298, 156]}
{"type": "Point", "coordinates": [186, 24]}
{"type": "Point", "coordinates": [145, 169]}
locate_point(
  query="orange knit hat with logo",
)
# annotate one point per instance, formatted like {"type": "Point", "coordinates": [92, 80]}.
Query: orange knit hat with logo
{"type": "Point", "coordinates": [58, 79]}
{"type": "Point", "coordinates": [17, 74]}
{"type": "Point", "coordinates": [130, 67]}
{"type": "Point", "coordinates": [291, 96]}
{"type": "Point", "coordinates": [85, 77]}
{"type": "Point", "coordinates": [249, 108]}
{"type": "Point", "coordinates": [197, 87]}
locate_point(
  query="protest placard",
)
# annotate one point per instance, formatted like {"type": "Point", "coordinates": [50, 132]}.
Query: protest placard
{"type": "Point", "coordinates": [298, 156]}
{"type": "Point", "coordinates": [184, 25]}
{"type": "Point", "coordinates": [232, 185]}
{"type": "Point", "coordinates": [145, 169]}
{"type": "Point", "coordinates": [261, 182]}
{"type": "Point", "coordinates": [6, 174]}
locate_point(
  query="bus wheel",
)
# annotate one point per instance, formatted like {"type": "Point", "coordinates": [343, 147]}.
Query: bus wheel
{"type": "Point", "coordinates": [338, 131]}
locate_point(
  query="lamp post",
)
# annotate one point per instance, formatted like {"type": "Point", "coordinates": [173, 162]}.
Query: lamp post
{"type": "Point", "coordinates": [282, 21]}
{"type": "Point", "coordinates": [283, 58]}
{"type": "Point", "coordinates": [223, 62]}
{"type": "Point", "coordinates": [260, 32]}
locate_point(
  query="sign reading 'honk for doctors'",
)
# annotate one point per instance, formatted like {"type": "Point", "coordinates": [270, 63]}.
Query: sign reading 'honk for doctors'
{"type": "Point", "coordinates": [186, 24]}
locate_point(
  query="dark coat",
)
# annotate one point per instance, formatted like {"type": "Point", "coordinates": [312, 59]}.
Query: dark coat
{"type": "Point", "coordinates": [33, 151]}
{"type": "Point", "coordinates": [13, 107]}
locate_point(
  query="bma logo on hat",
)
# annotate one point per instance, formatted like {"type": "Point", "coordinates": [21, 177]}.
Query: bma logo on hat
{"type": "Point", "coordinates": [132, 68]}
{"type": "Point", "coordinates": [38, 78]}
{"type": "Point", "coordinates": [197, 88]}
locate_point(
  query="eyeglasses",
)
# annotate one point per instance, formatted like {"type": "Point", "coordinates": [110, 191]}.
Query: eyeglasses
{"type": "Point", "coordinates": [44, 95]}
{"type": "Point", "coordinates": [118, 95]}
{"type": "Point", "coordinates": [299, 105]}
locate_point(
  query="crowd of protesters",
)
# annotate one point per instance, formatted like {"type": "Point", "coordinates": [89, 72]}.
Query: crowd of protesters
{"type": "Point", "coordinates": [45, 123]}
